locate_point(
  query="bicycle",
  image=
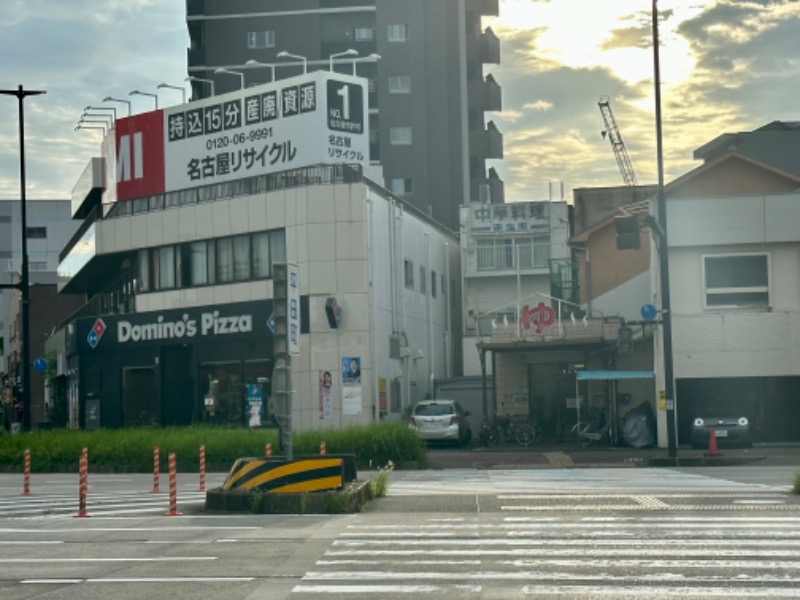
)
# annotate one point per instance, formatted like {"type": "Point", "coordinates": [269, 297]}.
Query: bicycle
{"type": "Point", "coordinates": [584, 432]}
{"type": "Point", "coordinates": [504, 430]}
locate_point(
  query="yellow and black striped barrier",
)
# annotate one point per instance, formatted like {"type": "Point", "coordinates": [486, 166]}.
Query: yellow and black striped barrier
{"type": "Point", "coordinates": [281, 477]}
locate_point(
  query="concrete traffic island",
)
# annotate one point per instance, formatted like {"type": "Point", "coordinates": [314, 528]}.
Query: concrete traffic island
{"type": "Point", "coordinates": [305, 485]}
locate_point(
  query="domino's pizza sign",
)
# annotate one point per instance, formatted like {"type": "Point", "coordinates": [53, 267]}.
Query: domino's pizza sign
{"type": "Point", "coordinates": [98, 329]}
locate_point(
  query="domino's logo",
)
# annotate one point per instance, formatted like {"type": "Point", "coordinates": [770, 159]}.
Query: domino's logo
{"type": "Point", "coordinates": [98, 329]}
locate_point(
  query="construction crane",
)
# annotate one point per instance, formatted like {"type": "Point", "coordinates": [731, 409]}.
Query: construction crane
{"type": "Point", "coordinates": [614, 136]}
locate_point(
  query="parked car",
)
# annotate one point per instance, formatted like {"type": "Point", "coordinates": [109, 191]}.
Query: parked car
{"type": "Point", "coordinates": [729, 429]}
{"type": "Point", "coordinates": [442, 421]}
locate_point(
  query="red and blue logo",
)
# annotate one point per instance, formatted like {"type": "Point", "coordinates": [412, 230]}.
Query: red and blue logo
{"type": "Point", "coordinates": [98, 329]}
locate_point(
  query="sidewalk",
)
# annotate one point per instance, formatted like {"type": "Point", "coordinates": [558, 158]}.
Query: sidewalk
{"type": "Point", "coordinates": [568, 455]}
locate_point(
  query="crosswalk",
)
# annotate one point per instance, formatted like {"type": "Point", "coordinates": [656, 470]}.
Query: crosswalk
{"type": "Point", "coordinates": [98, 504]}
{"type": "Point", "coordinates": [619, 555]}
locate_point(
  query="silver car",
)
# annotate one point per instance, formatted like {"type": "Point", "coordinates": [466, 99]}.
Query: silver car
{"type": "Point", "coordinates": [442, 421]}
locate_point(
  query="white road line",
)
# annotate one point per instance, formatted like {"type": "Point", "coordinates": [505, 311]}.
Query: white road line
{"type": "Point", "coordinates": [737, 552]}
{"type": "Point", "coordinates": [144, 580]}
{"type": "Point", "coordinates": [131, 529]}
{"type": "Point", "coordinates": [384, 589]}
{"type": "Point", "coordinates": [650, 591]}
{"type": "Point", "coordinates": [38, 560]}
{"type": "Point", "coordinates": [656, 577]}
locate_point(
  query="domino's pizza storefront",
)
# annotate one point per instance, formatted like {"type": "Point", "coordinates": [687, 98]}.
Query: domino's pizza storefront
{"type": "Point", "coordinates": [209, 364]}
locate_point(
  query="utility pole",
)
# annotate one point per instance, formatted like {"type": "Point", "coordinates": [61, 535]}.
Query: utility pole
{"type": "Point", "coordinates": [663, 256]}
{"type": "Point", "coordinates": [23, 285]}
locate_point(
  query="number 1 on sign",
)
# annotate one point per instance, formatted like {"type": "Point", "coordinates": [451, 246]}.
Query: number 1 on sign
{"type": "Point", "coordinates": [344, 92]}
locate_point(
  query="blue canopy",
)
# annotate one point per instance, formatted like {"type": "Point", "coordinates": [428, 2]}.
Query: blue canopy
{"type": "Point", "coordinates": [606, 375]}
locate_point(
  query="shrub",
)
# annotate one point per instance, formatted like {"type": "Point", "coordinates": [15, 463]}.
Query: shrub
{"type": "Point", "coordinates": [131, 450]}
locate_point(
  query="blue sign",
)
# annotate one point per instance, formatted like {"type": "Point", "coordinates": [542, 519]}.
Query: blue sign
{"type": "Point", "coordinates": [40, 365]}
{"type": "Point", "coordinates": [649, 312]}
{"type": "Point", "coordinates": [271, 322]}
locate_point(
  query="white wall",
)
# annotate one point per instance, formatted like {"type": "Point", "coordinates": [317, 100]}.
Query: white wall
{"type": "Point", "coordinates": [741, 342]}
{"type": "Point", "coordinates": [349, 242]}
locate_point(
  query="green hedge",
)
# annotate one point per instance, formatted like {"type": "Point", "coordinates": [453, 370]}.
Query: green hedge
{"type": "Point", "coordinates": [131, 450]}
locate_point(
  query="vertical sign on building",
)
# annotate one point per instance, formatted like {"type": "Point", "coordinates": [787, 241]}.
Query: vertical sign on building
{"type": "Point", "coordinates": [293, 307]}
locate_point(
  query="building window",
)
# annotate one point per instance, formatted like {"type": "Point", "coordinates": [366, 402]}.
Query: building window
{"type": "Point", "coordinates": [262, 266]}
{"type": "Point", "coordinates": [433, 284]}
{"type": "Point", "coordinates": [363, 34]}
{"type": "Point", "coordinates": [37, 265]}
{"type": "Point", "coordinates": [409, 273]}
{"type": "Point", "coordinates": [399, 84]}
{"type": "Point", "coordinates": [401, 186]}
{"type": "Point", "coordinates": [241, 257]}
{"type": "Point", "coordinates": [400, 136]}
{"type": "Point", "coordinates": [224, 260]}
{"type": "Point", "coordinates": [736, 280]}
{"type": "Point", "coordinates": [166, 267]}
{"type": "Point", "coordinates": [198, 261]}
{"type": "Point", "coordinates": [397, 33]}
{"type": "Point", "coordinates": [36, 233]}
{"type": "Point", "coordinates": [423, 278]}
{"type": "Point", "coordinates": [261, 39]}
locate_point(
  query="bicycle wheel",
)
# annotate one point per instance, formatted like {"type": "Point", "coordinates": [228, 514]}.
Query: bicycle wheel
{"type": "Point", "coordinates": [524, 434]}
{"type": "Point", "coordinates": [579, 431]}
{"type": "Point", "coordinates": [537, 433]}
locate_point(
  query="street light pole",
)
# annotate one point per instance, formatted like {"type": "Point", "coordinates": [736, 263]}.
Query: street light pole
{"type": "Point", "coordinates": [663, 256]}
{"type": "Point", "coordinates": [23, 286]}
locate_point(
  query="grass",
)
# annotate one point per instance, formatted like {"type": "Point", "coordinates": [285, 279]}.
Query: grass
{"type": "Point", "coordinates": [131, 450]}
{"type": "Point", "coordinates": [796, 485]}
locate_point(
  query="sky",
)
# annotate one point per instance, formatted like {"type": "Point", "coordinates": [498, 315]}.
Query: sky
{"type": "Point", "coordinates": [725, 65]}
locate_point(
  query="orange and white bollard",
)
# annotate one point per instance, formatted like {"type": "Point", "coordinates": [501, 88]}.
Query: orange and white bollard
{"type": "Point", "coordinates": [202, 469]}
{"type": "Point", "coordinates": [173, 487]}
{"type": "Point", "coordinates": [83, 483]}
{"type": "Point", "coordinates": [26, 478]}
{"type": "Point", "coordinates": [156, 466]}
{"type": "Point", "coordinates": [268, 450]}
{"type": "Point", "coordinates": [322, 448]}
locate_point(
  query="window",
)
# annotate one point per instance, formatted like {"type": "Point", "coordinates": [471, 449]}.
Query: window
{"type": "Point", "coordinates": [36, 233]}
{"type": "Point", "coordinates": [224, 259]}
{"type": "Point", "coordinates": [144, 271]}
{"type": "Point", "coordinates": [400, 136]}
{"type": "Point", "coordinates": [198, 261]}
{"type": "Point", "coordinates": [736, 280]}
{"type": "Point", "coordinates": [166, 267]}
{"type": "Point", "coordinates": [401, 186]}
{"type": "Point", "coordinates": [433, 284]}
{"type": "Point", "coordinates": [37, 265]}
{"type": "Point", "coordinates": [399, 84]}
{"type": "Point", "coordinates": [261, 39]}
{"type": "Point", "coordinates": [409, 273]}
{"type": "Point", "coordinates": [277, 246]}
{"type": "Point", "coordinates": [241, 257]}
{"type": "Point", "coordinates": [262, 265]}
{"type": "Point", "coordinates": [397, 33]}
{"type": "Point", "coordinates": [363, 34]}
{"type": "Point", "coordinates": [423, 277]}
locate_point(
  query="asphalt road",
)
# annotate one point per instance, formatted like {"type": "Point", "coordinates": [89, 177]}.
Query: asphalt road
{"type": "Point", "coordinates": [474, 533]}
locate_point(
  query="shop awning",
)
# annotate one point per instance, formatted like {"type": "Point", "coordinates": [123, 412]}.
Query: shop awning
{"type": "Point", "coordinates": [616, 375]}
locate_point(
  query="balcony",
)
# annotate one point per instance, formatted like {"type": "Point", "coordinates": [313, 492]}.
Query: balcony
{"type": "Point", "coordinates": [88, 191]}
{"type": "Point", "coordinates": [195, 8]}
{"type": "Point", "coordinates": [486, 143]}
{"type": "Point", "coordinates": [485, 95]}
{"type": "Point", "coordinates": [196, 57]}
{"type": "Point", "coordinates": [535, 327]}
{"type": "Point", "coordinates": [487, 8]}
{"type": "Point", "coordinates": [484, 47]}
{"type": "Point", "coordinates": [505, 259]}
